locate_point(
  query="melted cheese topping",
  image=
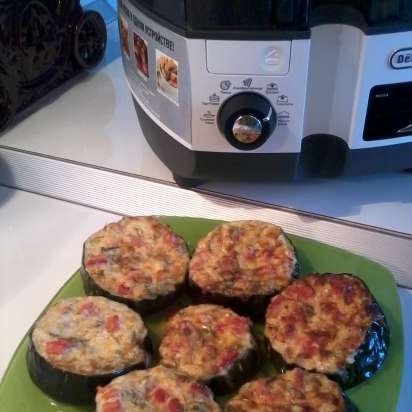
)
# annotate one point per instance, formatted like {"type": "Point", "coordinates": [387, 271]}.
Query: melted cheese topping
{"type": "Point", "coordinates": [90, 336]}
{"type": "Point", "coordinates": [137, 258]}
{"type": "Point", "coordinates": [243, 259]}
{"type": "Point", "coordinates": [157, 389]}
{"type": "Point", "coordinates": [204, 341]}
{"type": "Point", "coordinates": [293, 391]}
{"type": "Point", "coordinates": [319, 322]}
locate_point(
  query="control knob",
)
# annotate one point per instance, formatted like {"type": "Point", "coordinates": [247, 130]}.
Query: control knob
{"type": "Point", "coordinates": [247, 120]}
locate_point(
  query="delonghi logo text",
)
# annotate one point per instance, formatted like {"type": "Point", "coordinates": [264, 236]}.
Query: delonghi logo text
{"type": "Point", "coordinates": [402, 59]}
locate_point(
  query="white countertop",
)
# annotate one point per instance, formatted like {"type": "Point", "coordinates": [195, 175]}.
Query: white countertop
{"type": "Point", "coordinates": [94, 123]}
{"type": "Point", "coordinates": [40, 248]}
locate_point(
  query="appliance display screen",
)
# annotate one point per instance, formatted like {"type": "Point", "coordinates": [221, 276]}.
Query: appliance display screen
{"type": "Point", "coordinates": [389, 112]}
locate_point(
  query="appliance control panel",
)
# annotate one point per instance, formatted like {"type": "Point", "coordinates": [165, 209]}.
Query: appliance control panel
{"type": "Point", "coordinates": [234, 109]}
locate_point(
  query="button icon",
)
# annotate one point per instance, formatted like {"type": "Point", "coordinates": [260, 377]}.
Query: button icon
{"type": "Point", "coordinates": [272, 88]}
{"type": "Point", "coordinates": [272, 57]}
{"type": "Point", "coordinates": [285, 116]}
{"type": "Point", "coordinates": [225, 84]}
{"type": "Point", "coordinates": [282, 99]}
{"type": "Point", "coordinates": [209, 115]}
{"type": "Point", "coordinates": [247, 82]}
{"type": "Point", "coordinates": [214, 98]}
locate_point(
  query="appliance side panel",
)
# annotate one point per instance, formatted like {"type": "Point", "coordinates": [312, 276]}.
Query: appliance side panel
{"type": "Point", "coordinates": [156, 65]}
{"type": "Point", "coordinates": [376, 69]}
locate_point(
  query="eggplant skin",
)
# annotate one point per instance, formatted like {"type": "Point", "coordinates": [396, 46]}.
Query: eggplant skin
{"type": "Point", "coordinates": [69, 387]}
{"type": "Point", "coordinates": [371, 354]}
{"type": "Point", "coordinates": [143, 307]}
{"type": "Point", "coordinates": [253, 306]}
{"type": "Point", "coordinates": [241, 371]}
{"type": "Point", "coordinates": [349, 405]}
{"type": "Point", "coordinates": [369, 357]}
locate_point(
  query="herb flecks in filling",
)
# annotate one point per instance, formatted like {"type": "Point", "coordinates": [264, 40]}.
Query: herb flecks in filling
{"type": "Point", "coordinates": [319, 321]}
{"type": "Point", "coordinates": [137, 258]}
{"type": "Point", "coordinates": [157, 389]}
{"type": "Point", "coordinates": [243, 258]}
{"type": "Point", "coordinates": [90, 336]}
{"type": "Point", "coordinates": [293, 391]}
{"type": "Point", "coordinates": [204, 341]}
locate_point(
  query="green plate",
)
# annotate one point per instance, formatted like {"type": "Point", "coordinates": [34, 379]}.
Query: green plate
{"type": "Point", "coordinates": [380, 394]}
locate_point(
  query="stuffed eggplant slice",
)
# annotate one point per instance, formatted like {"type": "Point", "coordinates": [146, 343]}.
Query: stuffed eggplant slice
{"type": "Point", "coordinates": [242, 265]}
{"type": "Point", "coordinates": [83, 342]}
{"type": "Point", "coordinates": [294, 391]}
{"type": "Point", "coordinates": [211, 344]}
{"type": "Point", "coordinates": [138, 261]}
{"type": "Point", "coordinates": [157, 389]}
{"type": "Point", "coordinates": [331, 324]}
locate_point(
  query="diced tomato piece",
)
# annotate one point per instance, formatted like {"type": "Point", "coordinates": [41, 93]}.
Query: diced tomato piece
{"type": "Point", "coordinates": [275, 304]}
{"type": "Point", "coordinates": [289, 329]}
{"type": "Point", "coordinates": [227, 358]}
{"type": "Point", "coordinates": [337, 285]}
{"type": "Point", "coordinates": [171, 239]}
{"type": "Point", "coordinates": [309, 348]}
{"type": "Point", "coordinates": [112, 323]}
{"type": "Point", "coordinates": [58, 346]}
{"type": "Point", "coordinates": [112, 406]}
{"type": "Point", "coordinates": [107, 393]}
{"type": "Point", "coordinates": [89, 309]}
{"type": "Point", "coordinates": [135, 241]}
{"type": "Point", "coordinates": [250, 254]}
{"type": "Point", "coordinates": [123, 289]}
{"type": "Point", "coordinates": [160, 395]}
{"type": "Point", "coordinates": [305, 291]}
{"type": "Point", "coordinates": [199, 389]}
{"type": "Point", "coordinates": [196, 264]}
{"type": "Point", "coordinates": [96, 260]}
{"type": "Point", "coordinates": [238, 324]}
{"type": "Point", "coordinates": [300, 291]}
{"type": "Point", "coordinates": [298, 378]}
{"type": "Point", "coordinates": [174, 405]}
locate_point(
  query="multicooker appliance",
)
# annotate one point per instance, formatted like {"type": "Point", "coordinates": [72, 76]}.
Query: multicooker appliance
{"type": "Point", "coordinates": [272, 88]}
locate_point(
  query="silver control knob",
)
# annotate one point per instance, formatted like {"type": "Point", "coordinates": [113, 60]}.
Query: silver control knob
{"type": "Point", "coordinates": [247, 129]}
{"type": "Point", "coordinates": [247, 120]}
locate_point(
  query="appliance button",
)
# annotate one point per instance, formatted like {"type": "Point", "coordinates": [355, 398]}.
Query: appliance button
{"type": "Point", "coordinates": [248, 58]}
{"type": "Point", "coordinates": [247, 129]}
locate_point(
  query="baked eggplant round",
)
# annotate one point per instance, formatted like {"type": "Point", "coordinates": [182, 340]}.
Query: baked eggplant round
{"type": "Point", "coordinates": [242, 265]}
{"type": "Point", "coordinates": [83, 342]}
{"type": "Point", "coordinates": [293, 391]}
{"type": "Point", "coordinates": [157, 389]}
{"type": "Point", "coordinates": [138, 261]}
{"type": "Point", "coordinates": [331, 324]}
{"type": "Point", "coordinates": [211, 344]}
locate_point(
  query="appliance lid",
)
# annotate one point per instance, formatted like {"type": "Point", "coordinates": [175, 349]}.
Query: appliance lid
{"type": "Point", "coordinates": [371, 16]}
{"type": "Point", "coordinates": [234, 19]}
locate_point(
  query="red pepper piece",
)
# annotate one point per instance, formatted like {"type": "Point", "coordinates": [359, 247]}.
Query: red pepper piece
{"type": "Point", "coordinates": [96, 260]}
{"type": "Point", "coordinates": [112, 323]}
{"type": "Point", "coordinates": [174, 405]}
{"type": "Point", "coordinates": [160, 395]}
{"type": "Point", "coordinates": [58, 346]}
{"type": "Point", "coordinates": [123, 289]}
{"type": "Point", "coordinates": [112, 406]}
